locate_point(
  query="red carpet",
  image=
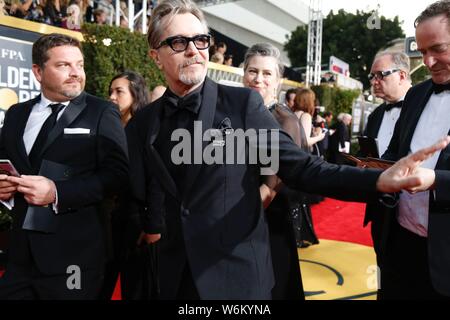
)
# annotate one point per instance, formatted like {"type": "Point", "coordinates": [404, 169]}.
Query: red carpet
{"type": "Point", "coordinates": [117, 294]}
{"type": "Point", "coordinates": [342, 221]}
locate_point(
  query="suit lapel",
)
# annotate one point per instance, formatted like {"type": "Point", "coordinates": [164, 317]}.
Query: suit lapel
{"type": "Point", "coordinates": [75, 107]}
{"type": "Point", "coordinates": [161, 171]}
{"type": "Point", "coordinates": [22, 122]}
{"type": "Point", "coordinates": [206, 118]}
{"type": "Point", "coordinates": [378, 120]}
{"type": "Point", "coordinates": [444, 158]}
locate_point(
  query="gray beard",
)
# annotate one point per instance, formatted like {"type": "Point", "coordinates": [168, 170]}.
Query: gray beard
{"type": "Point", "coordinates": [190, 80]}
{"type": "Point", "coordinates": [71, 94]}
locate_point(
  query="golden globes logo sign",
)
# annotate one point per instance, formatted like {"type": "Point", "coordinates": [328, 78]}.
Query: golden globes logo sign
{"type": "Point", "coordinates": [17, 82]}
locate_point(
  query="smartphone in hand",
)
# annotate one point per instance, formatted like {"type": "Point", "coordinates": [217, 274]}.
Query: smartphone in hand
{"type": "Point", "coordinates": [6, 167]}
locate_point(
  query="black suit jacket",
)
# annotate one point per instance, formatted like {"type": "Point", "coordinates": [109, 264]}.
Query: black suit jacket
{"type": "Point", "coordinates": [439, 211]}
{"type": "Point", "coordinates": [375, 211]}
{"type": "Point", "coordinates": [374, 121]}
{"type": "Point", "coordinates": [96, 165]}
{"type": "Point", "coordinates": [218, 226]}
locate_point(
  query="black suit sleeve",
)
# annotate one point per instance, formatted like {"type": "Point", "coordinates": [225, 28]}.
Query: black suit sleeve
{"type": "Point", "coordinates": [442, 188]}
{"type": "Point", "coordinates": [300, 170]}
{"type": "Point", "coordinates": [147, 193]}
{"type": "Point", "coordinates": [111, 169]}
{"type": "Point", "coordinates": [291, 125]}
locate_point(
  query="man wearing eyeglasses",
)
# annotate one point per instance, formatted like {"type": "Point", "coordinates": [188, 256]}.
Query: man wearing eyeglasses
{"type": "Point", "coordinates": [214, 242]}
{"type": "Point", "coordinates": [415, 255]}
{"type": "Point", "coordinates": [390, 80]}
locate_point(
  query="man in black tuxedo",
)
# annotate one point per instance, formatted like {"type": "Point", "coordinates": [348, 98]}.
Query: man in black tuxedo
{"type": "Point", "coordinates": [215, 241]}
{"type": "Point", "coordinates": [390, 80]}
{"type": "Point", "coordinates": [415, 256]}
{"type": "Point", "coordinates": [70, 150]}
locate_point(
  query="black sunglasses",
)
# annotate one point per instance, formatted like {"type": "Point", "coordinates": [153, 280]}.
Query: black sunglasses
{"type": "Point", "coordinates": [180, 43]}
{"type": "Point", "coordinates": [379, 75]}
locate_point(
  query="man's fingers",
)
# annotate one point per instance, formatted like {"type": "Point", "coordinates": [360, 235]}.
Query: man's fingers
{"type": "Point", "coordinates": [30, 200]}
{"type": "Point", "coordinates": [6, 183]}
{"type": "Point", "coordinates": [23, 181]}
{"type": "Point", "coordinates": [6, 196]}
{"type": "Point", "coordinates": [410, 183]}
{"type": "Point", "coordinates": [31, 178]}
{"type": "Point", "coordinates": [425, 153]}
{"type": "Point", "coordinates": [8, 189]}
{"type": "Point", "coordinates": [16, 180]}
{"type": "Point", "coordinates": [25, 190]}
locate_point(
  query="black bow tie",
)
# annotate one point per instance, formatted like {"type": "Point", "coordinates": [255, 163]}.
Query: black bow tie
{"type": "Point", "coordinates": [438, 88]}
{"type": "Point", "coordinates": [390, 106]}
{"type": "Point", "coordinates": [191, 102]}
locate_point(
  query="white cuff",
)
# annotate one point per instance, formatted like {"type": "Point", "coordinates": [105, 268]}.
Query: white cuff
{"type": "Point", "coordinates": [8, 204]}
{"type": "Point", "coordinates": [55, 204]}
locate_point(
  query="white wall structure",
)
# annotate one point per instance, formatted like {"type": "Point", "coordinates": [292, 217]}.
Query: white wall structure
{"type": "Point", "coordinates": [253, 21]}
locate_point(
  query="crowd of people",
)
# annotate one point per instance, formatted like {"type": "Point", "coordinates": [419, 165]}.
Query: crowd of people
{"type": "Point", "coordinates": [71, 14]}
{"type": "Point", "coordinates": [177, 225]}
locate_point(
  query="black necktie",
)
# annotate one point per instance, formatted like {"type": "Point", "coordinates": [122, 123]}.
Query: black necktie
{"type": "Point", "coordinates": [438, 88]}
{"type": "Point", "coordinates": [390, 106]}
{"type": "Point", "coordinates": [190, 102]}
{"type": "Point", "coordinates": [41, 139]}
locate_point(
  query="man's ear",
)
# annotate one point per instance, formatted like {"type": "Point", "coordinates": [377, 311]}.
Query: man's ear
{"type": "Point", "coordinates": [152, 53]}
{"type": "Point", "coordinates": [37, 71]}
{"type": "Point", "coordinates": [403, 75]}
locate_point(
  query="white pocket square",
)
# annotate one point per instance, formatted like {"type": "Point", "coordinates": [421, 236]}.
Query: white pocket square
{"type": "Point", "coordinates": [77, 131]}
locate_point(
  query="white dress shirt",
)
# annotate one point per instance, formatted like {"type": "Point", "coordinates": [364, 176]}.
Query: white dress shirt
{"type": "Point", "coordinates": [38, 115]}
{"type": "Point", "coordinates": [434, 124]}
{"type": "Point", "coordinates": [387, 128]}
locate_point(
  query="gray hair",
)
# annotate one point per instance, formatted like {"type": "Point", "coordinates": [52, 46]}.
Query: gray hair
{"type": "Point", "coordinates": [264, 50]}
{"type": "Point", "coordinates": [433, 10]}
{"type": "Point", "coordinates": [400, 60]}
{"type": "Point", "coordinates": [342, 116]}
{"type": "Point", "coordinates": [170, 8]}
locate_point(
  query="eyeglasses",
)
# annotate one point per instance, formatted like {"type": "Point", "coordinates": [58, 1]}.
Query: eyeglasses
{"type": "Point", "coordinates": [379, 75]}
{"type": "Point", "coordinates": [180, 43]}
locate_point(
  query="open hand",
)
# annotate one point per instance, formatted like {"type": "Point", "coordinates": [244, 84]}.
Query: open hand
{"type": "Point", "coordinates": [406, 174]}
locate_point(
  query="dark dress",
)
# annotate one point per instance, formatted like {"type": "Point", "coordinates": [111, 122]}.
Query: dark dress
{"type": "Point", "coordinates": [135, 264]}
{"type": "Point", "coordinates": [285, 260]}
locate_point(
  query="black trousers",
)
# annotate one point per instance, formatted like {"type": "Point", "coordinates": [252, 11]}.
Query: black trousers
{"type": "Point", "coordinates": [187, 289]}
{"type": "Point", "coordinates": [404, 268]}
{"type": "Point", "coordinates": [25, 281]}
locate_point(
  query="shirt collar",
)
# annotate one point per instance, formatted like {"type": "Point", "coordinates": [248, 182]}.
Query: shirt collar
{"type": "Point", "coordinates": [45, 102]}
{"type": "Point", "coordinates": [401, 99]}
